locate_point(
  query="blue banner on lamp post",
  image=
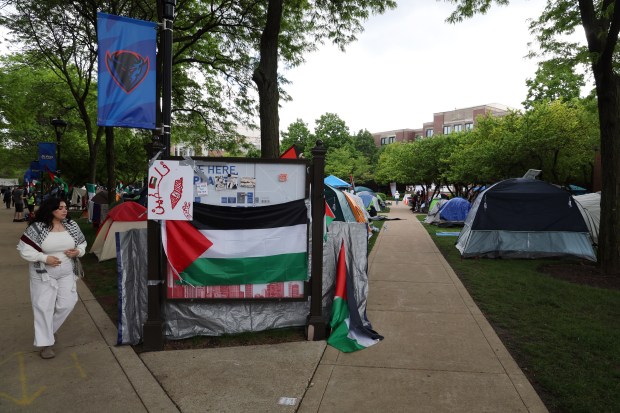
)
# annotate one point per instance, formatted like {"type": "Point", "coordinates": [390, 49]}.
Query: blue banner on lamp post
{"type": "Point", "coordinates": [47, 156]}
{"type": "Point", "coordinates": [126, 82]}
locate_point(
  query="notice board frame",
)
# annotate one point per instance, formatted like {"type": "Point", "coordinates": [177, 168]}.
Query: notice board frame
{"type": "Point", "coordinates": [225, 165]}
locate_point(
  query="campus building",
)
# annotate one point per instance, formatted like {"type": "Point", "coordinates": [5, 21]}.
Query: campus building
{"type": "Point", "coordinates": [443, 123]}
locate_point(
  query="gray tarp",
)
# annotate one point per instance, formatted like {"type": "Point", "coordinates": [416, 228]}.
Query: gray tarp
{"type": "Point", "coordinates": [132, 284]}
{"type": "Point", "coordinates": [187, 319]}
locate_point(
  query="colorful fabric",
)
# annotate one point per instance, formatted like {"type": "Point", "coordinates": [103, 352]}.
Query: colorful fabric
{"type": "Point", "coordinates": [329, 218]}
{"type": "Point", "coordinates": [232, 246]}
{"type": "Point", "coordinates": [349, 332]}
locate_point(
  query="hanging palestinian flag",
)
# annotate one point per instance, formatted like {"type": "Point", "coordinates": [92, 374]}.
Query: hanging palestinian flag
{"type": "Point", "coordinates": [349, 332]}
{"type": "Point", "coordinates": [329, 217]}
{"type": "Point", "coordinates": [233, 246]}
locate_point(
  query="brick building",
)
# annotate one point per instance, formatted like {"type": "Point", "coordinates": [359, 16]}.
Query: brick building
{"type": "Point", "coordinates": [443, 123]}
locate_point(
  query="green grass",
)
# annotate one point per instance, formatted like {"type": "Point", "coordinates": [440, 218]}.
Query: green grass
{"type": "Point", "coordinates": [565, 336]}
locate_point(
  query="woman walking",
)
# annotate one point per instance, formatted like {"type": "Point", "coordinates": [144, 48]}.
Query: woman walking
{"type": "Point", "coordinates": [51, 244]}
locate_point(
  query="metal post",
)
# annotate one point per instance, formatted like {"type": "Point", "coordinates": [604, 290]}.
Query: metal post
{"type": "Point", "coordinates": [153, 327]}
{"type": "Point", "coordinates": [168, 15]}
{"type": "Point", "coordinates": [59, 127]}
{"type": "Point", "coordinates": [315, 324]}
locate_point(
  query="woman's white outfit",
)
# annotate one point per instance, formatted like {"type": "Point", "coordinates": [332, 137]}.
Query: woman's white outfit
{"type": "Point", "coordinates": [52, 288]}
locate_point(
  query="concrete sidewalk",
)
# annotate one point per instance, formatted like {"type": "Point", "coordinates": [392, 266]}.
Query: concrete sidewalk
{"type": "Point", "coordinates": [439, 354]}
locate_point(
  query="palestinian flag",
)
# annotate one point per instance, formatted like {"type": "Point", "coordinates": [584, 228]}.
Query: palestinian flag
{"type": "Point", "coordinates": [57, 180]}
{"type": "Point", "coordinates": [329, 217]}
{"type": "Point", "coordinates": [233, 246]}
{"type": "Point", "coordinates": [349, 332]}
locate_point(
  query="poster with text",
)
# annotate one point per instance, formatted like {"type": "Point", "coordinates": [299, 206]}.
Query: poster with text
{"type": "Point", "coordinates": [170, 191]}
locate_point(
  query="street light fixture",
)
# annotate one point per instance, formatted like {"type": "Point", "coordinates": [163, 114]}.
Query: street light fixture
{"type": "Point", "coordinates": [59, 126]}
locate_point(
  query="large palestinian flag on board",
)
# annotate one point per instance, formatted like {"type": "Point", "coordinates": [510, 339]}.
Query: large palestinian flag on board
{"type": "Point", "coordinates": [232, 246]}
{"type": "Point", "coordinates": [349, 331]}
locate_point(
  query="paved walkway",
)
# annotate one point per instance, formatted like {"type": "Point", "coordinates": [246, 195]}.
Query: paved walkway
{"type": "Point", "coordinates": [439, 354]}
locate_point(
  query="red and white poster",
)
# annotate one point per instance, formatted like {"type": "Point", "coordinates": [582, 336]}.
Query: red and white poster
{"type": "Point", "coordinates": [170, 191]}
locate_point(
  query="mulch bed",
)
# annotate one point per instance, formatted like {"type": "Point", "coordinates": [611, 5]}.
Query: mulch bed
{"type": "Point", "coordinates": [584, 273]}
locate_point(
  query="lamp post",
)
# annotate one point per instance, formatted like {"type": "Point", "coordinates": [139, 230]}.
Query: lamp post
{"type": "Point", "coordinates": [59, 127]}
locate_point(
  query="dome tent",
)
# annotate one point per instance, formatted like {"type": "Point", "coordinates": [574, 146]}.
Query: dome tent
{"type": "Point", "coordinates": [525, 218]}
{"type": "Point", "coordinates": [121, 218]}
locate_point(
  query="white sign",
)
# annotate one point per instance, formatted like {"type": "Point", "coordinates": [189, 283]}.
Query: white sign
{"type": "Point", "coordinates": [238, 184]}
{"type": "Point", "coordinates": [170, 191]}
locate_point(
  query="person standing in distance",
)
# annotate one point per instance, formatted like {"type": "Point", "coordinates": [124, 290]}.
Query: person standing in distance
{"type": "Point", "coordinates": [396, 196]}
{"type": "Point", "coordinates": [50, 244]}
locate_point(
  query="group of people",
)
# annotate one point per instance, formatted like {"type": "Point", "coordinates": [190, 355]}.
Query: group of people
{"type": "Point", "coordinates": [20, 199]}
{"type": "Point", "coordinates": [52, 244]}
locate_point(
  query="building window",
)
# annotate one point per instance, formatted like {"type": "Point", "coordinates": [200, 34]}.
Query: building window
{"type": "Point", "coordinates": [447, 129]}
{"type": "Point", "coordinates": [428, 133]}
{"type": "Point", "coordinates": [391, 139]}
{"type": "Point", "coordinates": [458, 128]}
{"type": "Point", "coordinates": [383, 141]}
{"type": "Point", "coordinates": [387, 140]}
{"type": "Point", "coordinates": [469, 126]}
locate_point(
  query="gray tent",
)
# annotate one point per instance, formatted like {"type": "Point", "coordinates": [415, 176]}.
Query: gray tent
{"type": "Point", "coordinates": [525, 218]}
{"type": "Point", "coordinates": [590, 207]}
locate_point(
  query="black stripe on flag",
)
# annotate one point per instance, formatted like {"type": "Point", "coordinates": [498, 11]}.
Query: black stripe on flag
{"type": "Point", "coordinates": [218, 217]}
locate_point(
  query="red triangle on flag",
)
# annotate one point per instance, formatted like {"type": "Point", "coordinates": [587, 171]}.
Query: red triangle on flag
{"type": "Point", "coordinates": [184, 244]}
{"type": "Point", "coordinates": [290, 153]}
{"type": "Point", "coordinates": [341, 274]}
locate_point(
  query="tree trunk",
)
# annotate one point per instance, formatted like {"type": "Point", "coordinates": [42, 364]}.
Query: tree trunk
{"type": "Point", "coordinates": [602, 36]}
{"type": "Point", "coordinates": [608, 91]}
{"type": "Point", "coordinates": [110, 163]}
{"type": "Point", "coordinates": [266, 78]}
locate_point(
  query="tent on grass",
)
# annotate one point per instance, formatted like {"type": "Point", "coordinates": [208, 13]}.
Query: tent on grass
{"type": "Point", "coordinates": [121, 218]}
{"type": "Point", "coordinates": [98, 208]}
{"type": "Point", "coordinates": [448, 213]}
{"type": "Point", "coordinates": [78, 196]}
{"type": "Point", "coordinates": [359, 188]}
{"type": "Point", "coordinates": [433, 213]}
{"type": "Point", "coordinates": [336, 182]}
{"type": "Point", "coordinates": [590, 208]}
{"type": "Point", "coordinates": [369, 198]}
{"type": "Point", "coordinates": [525, 218]}
{"type": "Point", "coordinates": [338, 204]}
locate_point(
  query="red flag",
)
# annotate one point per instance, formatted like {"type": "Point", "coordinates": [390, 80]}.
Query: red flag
{"type": "Point", "coordinates": [291, 153]}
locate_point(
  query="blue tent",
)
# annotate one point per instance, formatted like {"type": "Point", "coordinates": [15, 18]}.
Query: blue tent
{"type": "Point", "coordinates": [455, 210]}
{"type": "Point", "coordinates": [363, 189]}
{"type": "Point", "coordinates": [335, 182]}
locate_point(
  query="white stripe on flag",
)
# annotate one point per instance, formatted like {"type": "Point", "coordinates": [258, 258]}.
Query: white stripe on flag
{"type": "Point", "coordinates": [262, 242]}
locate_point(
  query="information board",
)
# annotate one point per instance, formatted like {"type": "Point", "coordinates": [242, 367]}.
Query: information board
{"type": "Point", "coordinates": [248, 184]}
{"type": "Point", "coordinates": [237, 183]}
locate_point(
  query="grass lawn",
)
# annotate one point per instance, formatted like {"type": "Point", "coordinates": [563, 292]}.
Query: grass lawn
{"type": "Point", "coordinates": [565, 336]}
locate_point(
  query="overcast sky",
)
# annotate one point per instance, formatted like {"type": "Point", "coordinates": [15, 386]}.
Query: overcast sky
{"type": "Point", "coordinates": [409, 63]}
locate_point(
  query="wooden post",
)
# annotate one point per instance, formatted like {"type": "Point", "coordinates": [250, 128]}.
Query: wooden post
{"type": "Point", "coordinates": [315, 324]}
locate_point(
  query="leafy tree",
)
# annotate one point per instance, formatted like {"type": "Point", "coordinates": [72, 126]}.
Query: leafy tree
{"type": "Point", "coordinates": [333, 131]}
{"type": "Point", "coordinates": [364, 142]}
{"type": "Point", "coordinates": [600, 21]}
{"type": "Point", "coordinates": [555, 79]}
{"type": "Point", "coordinates": [346, 162]}
{"type": "Point", "coordinates": [305, 24]}
{"type": "Point", "coordinates": [298, 134]}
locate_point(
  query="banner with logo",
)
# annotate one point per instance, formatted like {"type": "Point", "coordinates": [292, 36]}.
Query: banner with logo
{"type": "Point", "coordinates": [126, 82]}
{"type": "Point", "coordinates": [47, 156]}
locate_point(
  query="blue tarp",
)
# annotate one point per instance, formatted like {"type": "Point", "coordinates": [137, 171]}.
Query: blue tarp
{"type": "Point", "coordinates": [336, 182]}
{"type": "Point", "coordinates": [455, 210]}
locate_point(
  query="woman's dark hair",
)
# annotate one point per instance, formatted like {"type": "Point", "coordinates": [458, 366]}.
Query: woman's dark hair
{"type": "Point", "coordinates": [45, 213]}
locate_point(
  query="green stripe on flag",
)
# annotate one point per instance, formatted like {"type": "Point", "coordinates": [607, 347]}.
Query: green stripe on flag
{"type": "Point", "coordinates": [253, 270]}
{"type": "Point", "coordinates": [339, 337]}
